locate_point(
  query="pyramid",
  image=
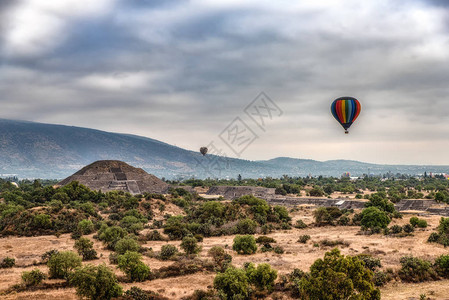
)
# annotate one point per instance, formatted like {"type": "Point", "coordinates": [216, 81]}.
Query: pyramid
{"type": "Point", "coordinates": [114, 175]}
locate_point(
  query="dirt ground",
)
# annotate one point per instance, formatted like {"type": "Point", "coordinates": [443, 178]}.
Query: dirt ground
{"type": "Point", "coordinates": [27, 250]}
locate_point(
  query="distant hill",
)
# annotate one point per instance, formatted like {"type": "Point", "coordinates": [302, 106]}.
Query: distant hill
{"type": "Point", "coordinates": [36, 150]}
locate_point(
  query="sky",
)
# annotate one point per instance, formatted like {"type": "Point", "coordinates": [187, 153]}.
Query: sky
{"type": "Point", "coordinates": [182, 71]}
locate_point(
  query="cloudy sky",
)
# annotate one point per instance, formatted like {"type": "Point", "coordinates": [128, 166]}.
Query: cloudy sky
{"type": "Point", "coordinates": [181, 71]}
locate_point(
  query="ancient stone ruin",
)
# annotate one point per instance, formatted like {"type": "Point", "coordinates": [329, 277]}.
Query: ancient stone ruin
{"type": "Point", "coordinates": [113, 175]}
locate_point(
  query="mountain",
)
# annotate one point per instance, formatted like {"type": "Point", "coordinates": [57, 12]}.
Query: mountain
{"type": "Point", "coordinates": [36, 150]}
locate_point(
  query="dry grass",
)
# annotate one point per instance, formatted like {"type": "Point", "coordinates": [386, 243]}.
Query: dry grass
{"type": "Point", "coordinates": [26, 250]}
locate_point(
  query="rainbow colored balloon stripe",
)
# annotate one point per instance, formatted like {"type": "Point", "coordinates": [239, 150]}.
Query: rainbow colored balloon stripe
{"type": "Point", "coordinates": [346, 110]}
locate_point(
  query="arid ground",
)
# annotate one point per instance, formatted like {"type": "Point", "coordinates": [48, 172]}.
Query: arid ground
{"type": "Point", "coordinates": [27, 252]}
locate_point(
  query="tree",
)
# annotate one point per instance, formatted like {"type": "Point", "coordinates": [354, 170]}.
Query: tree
{"type": "Point", "coordinates": [133, 267]}
{"type": "Point", "coordinates": [244, 244]}
{"type": "Point", "coordinates": [96, 282]}
{"type": "Point", "coordinates": [126, 244]}
{"type": "Point", "coordinates": [246, 226]}
{"type": "Point", "coordinates": [190, 245]}
{"type": "Point", "coordinates": [322, 216]}
{"type": "Point", "coordinates": [85, 226]}
{"type": "Point", "coordinates": [61, 264]}
{"type": "Point", "coordinates": [262, 277]}
{"type": "Point", "coordinates": [111, 235]}
{"type": "Point", "coordinates": [338, 277]}
{"type": "Point", "coordinates": [85, 248]}
{"type": "Point", "coordinates": [232, 284]}
{"type": "Point", "coordinates": [316, 192]}
{"type": "Point", "coordinates": [372, 217]}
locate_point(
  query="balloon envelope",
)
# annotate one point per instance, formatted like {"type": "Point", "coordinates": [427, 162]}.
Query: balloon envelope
{"type": "Point", "coordinates": [203, 150]}
{"type": "Point", "coordinates": [345, 111]}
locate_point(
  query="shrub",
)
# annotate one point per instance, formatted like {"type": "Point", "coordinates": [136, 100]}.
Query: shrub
{"type": "Point", "coordinates": [322, 216]}
{"type": "Point", "coordinates": [433, 238]}
{"type": "Point", "coordinates": [263, 239]}
{"type": "Point", "coordinates": [246, 226]}
{"type": "Point", "coordinates": [381, 278]}
{"type": "Point", "coordinates": [190, 245]}
{"type": "Point", "coordinates": [95, 282]}
{"type": "Point", "coordinates": [85, 248]}
{"type": "Point", "coordinates": [85, 226]}
{"type": "Point", "coordinates": [46, 256]}
{"type": "Point", "coordinates": [62, 264]}
{"type": "Point", "coordinates": [344, 220]}
{"type": "Point", "coordinates": [304, 238]}
{"type": "Point", "coordinates": [262, 277]}
{"type": "Point", "coordinates": [126, 244]}
{"type": "Point", "coordinates": [316, 192]}
{"type": "Point", "coordinates": [154, 236]}
{"type": "Point", "coordinates": [333, 243]}
{"type": "Point", "coordinates": [408, 228]}
{"type": "Point", "coordinates": [133, 267]}
{"type": "Point", "coordinates": [278, 250]}
{"type": "Point", "coordinates": [168, 251]}
{"type": "Point", "coordinates": [395, 229]}
{"type": "Point", "coordinates": [8, 262]}
{"type": "Point", "coordinates": [111, 235]}
{"type": "Point", "coordinates": [373, 217]}
{"type": "Point", "coordinates": [244, 244]}
{"type": "Point", "coordinates": [414, 221]}
{"type": "Point", "coordinates": [370, 262]}
{"type": "Point", "coordinates": [442, 266]}
{"type": "Point", "coordinates": [32, 278]}
{"type": "Point", "coordinates": [220, 257]}
{"type": "Point", "coordinates": [300, 224]}
{"type": "Point", "coordinates": [337, 277]}
{"type": "Point", "coordinates": [422, 223]}
{"type": "Point", "coordinates": [232, 284]}
{"type": "Point", "coordinates": [414, 269]}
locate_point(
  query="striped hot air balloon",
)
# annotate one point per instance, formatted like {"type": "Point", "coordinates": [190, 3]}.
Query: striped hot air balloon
{"type": "Point", "coordinates": [346, 110]}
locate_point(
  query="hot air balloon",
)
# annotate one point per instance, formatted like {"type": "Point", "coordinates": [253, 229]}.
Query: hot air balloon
{"type": "Point", "coordinates": [346, 110]}
{"type": "Point", "coordinates": [203, 150]}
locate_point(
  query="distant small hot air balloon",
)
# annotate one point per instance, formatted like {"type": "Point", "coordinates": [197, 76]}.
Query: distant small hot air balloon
{"type": "Point", "coordinates": [203, 150]}
{"type": "Point", "coordinates": [346, 110]}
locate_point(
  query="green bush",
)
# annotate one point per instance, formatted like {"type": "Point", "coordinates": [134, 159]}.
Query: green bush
{"type": "Point", "coordinates": [300, 224]}
{"type": "Point", "coordinates": [262, 277]}
{"type": "Point", "coordinates": [304, 238]}
{"type": "Point", "coordinates": [414, 269]}
{"type": "Point", "coordinates": [370, 262]}
{"type": "Point", "coordinates": [422, 223]}
{"type": "Point", "coordinates": [32, 278]}
{"type": "Point", "coordinates": [246, 226]}
{"type": "Point", "coordinates": [85, 248]}
{"type": "Point", "coordinates": [263, 239]}
{"type": "Point", "coordinates": [408, 228]}
{"type": "Point", "coordinates": [395, 229]}
{"type": "Point", "coordinates": [244, 244]}
{"type": "Point", "coordinates": [63, 263]}
{"type": "Point", "coordinates": [126, 244]}
{"type": "Point", "coordinates": [154, 236]}
{"type": "Point", "coordinates": [41, 221]}
{"type": "Point", "coordinates": [220, 257]}
{"type": "Point", "coordinates": [337, 277]}
{"type": "Point", "coordinates": [111, 235]}
{"type": "Point", "coordinates": [232, 284]}
{"type": "Point", "coordinates": [442, 266]}
{"type": "Point", "coordinates": [168, 251]}
{"type": "Point", "coordinates": [322, 216]}
{"type": "Point", "coordinates": [95, 282]}
{"type": "Point", "coordinates": [85, 226]}
{"type": "Point", "coordinates": [278, 250]}
{"type": "Point", "coordinates": [190, 245]}
{"type": "Point", "coordinates": [8, 262]}
{"type": "Point", "coordinates": [372, 217]}
{"type": "Point", "coordinates": [130, 263]}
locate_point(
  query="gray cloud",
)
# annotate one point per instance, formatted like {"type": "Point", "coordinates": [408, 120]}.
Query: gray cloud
{"type": "Point", "coordinates": [181, 71]}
